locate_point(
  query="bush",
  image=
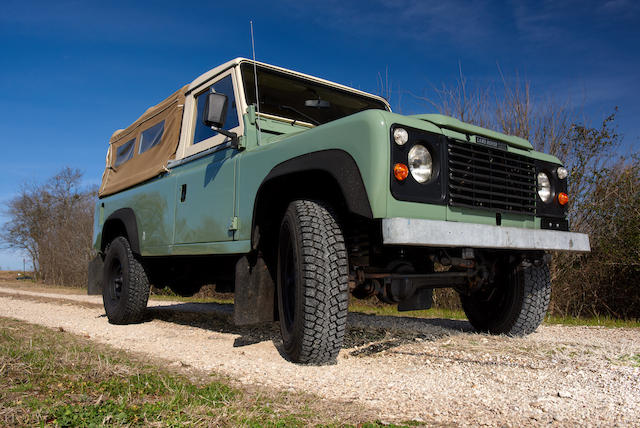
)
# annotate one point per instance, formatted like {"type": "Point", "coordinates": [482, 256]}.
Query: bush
{"type": "Point", "coordinates": [605, 282]}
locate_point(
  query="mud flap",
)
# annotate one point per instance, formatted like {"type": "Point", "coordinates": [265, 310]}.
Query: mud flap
{"type": "Point", "coordinates": [94, 280]}
{"type": "Point", "coordinates": [254, 292]}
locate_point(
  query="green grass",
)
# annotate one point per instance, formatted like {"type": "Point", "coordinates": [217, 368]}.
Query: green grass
{"type": "Point", "coordinates": [597, 322]}
{"type": "Point", "coordinates": [630, 359]}
{"type": "Point", "coordinates": [49, 377]}
{"type": "Point", "coordinates": [174, 298]}
{"type": "Point", "coordinates": [389, 310]}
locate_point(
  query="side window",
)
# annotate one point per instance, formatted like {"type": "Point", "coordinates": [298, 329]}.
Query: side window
{"type": "Point", "coordinates": [125, 152]}
{"type": "Point", "coordinates": [223, 86]}
{"type": "Point", "coordinates": [151, 137]}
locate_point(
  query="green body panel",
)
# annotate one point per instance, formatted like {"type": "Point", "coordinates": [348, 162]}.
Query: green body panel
{"type": "Point", "coordinates": [229, 247]}
{"type": "Point", "coordinates": [464, 215]}
{"type": "Point", "coordinates": [217, 215]}
{"type": "Point", "coordinates": [154, 206]}
{"type": "Point", "coordinates": [208, 208]}
{"type": "Point", "coordinates": [451, 123]}
{"type": "Point", "coordinates": [365, 136]}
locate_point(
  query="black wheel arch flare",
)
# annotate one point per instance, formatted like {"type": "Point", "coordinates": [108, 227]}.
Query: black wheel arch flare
{"type": "Point", "coordinates": [339, 164]}
{"type": "Point", "coordinates": [123, 217]}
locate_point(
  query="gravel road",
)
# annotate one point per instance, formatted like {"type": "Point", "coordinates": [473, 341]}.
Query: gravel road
{"type": "Point", "coordinates": [432, 370]}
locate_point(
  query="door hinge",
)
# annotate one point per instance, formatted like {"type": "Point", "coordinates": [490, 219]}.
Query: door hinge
{"type": "Point", "coordinates": [234, 223]}
{"type": "Point", "coordinates": [241, 143]}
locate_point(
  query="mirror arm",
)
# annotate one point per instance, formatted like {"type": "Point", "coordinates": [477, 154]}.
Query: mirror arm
{"type": "Point", "coordinates": [232, 135]}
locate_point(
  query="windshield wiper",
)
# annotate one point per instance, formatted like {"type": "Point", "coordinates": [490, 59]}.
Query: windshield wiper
{"type": "Point", "coordinates": [306, 116]}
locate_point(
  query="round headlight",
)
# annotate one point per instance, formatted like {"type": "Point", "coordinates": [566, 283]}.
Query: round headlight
{"type": "Point", "coordinates": [544, 187]}
{"type": "Point", "coordinates": [562, 172]}
{"type": "Point", "coordinates": [420, 163]}
{"type": "Point", "coordinates": [400, 136]}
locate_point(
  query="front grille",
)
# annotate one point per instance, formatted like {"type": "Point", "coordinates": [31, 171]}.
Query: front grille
{"type": "Point", "coordinates": [493, 179]}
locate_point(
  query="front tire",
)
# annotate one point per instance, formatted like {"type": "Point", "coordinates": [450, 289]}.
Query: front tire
{"type": "Point", "coordinates": [126, 287]}
{"type": "Point", "coordinates": [515, 306]}
{"type": "Point", "coordinates": [312, 283]}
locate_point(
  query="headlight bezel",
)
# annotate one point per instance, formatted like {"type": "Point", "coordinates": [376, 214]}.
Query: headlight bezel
{"type": "Point", "coordinates": [415, 151]}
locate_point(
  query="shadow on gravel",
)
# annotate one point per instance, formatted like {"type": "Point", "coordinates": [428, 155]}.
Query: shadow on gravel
{"type": "Point", "coordinates": [368, 334]}
{"type": "Point", "coordinates": [372, 334]}
{"type": "Point", "coordinates": [214, 317]}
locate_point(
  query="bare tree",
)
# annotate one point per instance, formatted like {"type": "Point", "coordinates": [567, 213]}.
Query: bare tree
{"type": "Point", "coordinates": [26, 212]}
{"type": "Point", "coordinates": [52, 224]}
{"type": "Point", "coordinates": [470, 104]}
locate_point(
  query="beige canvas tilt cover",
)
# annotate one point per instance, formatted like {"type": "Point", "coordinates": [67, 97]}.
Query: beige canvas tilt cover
{"type": "Point", "coordinates": [143, 166]}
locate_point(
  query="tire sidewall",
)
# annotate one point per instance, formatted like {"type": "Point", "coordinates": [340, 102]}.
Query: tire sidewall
{"type": "Point", "coordinates": [289, 236]}
{"type": "Point", "coordinates": [512, 295]}
{"type": "Point", "coordinates": [500, 310]}
{"type": "Point", "coordinates": [117, 252]}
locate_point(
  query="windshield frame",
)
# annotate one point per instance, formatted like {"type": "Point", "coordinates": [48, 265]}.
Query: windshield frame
{"type": "Point", "coordinates": [332, 86]}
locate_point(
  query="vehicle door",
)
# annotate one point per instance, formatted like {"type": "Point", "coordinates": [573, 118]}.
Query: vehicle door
{"type": "Point", "coordinates": [206, 185]}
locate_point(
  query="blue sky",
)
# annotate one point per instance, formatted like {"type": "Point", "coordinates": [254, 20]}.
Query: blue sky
{"type": "Point", "coordinates": [71, 72]}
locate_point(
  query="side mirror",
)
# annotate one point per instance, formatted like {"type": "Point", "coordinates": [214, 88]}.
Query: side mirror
{"type": "Point", "coordinates": [215, 110]}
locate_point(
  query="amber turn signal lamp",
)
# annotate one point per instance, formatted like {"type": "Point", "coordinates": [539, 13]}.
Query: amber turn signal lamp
{"type": "Point", "coordinates": [400, 171]}
{"type": "Point", "coordinates": [563, 198]}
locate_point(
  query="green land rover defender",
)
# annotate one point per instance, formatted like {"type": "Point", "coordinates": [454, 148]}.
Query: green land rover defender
{"type": "Point", "coordinates": [292, 192]}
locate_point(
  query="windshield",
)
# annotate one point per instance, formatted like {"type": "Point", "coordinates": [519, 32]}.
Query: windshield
{"type": "Point", "coordinates": [300, 99]}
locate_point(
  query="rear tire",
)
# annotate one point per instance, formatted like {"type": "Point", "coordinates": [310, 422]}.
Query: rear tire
{"type": "Point", "coordinates": [516, 306]}
{"type": "Point", "coordinates": [312, 283]}
{"type": "Point", "coordinates": [126, 287]}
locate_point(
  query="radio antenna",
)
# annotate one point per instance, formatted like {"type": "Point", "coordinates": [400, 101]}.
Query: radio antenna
{"type": "Point", "coordinates": [255, 78]}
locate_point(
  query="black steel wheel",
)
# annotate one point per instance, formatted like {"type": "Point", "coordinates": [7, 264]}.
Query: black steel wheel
{"type": "Point", "coordinates": [126, 287]}
{"type": "Point", "coordinates": [312, 283]}
{"type": "Point", "coordinates": [515, 305]}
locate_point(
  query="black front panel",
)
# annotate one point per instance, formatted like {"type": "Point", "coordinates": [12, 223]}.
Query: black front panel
{"type": "Point", "coordinates": [493, 179]}
{"type": "Point", "coordinates": [433, 191]}
{"type": "Point", "coordinates": [552, 208]}
{"type": "Point", "coordinates": [554, 223]}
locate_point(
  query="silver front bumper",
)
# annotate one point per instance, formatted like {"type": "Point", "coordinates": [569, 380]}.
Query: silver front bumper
{"type": "Point", "coordinates": [436, 233]}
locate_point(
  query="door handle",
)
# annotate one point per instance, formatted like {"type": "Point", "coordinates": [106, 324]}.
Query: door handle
{"type": "Point", "coordinates": [183, 192]}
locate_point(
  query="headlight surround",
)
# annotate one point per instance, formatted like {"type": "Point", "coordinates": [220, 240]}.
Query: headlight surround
{"type": "Point", "coordinates": [420, 163]}
{"type": "Point", "coordinates": [421, 185]}
{"type": "Point", "coordinates": [400, 136]}
{"type": "Point", "coordinates": [544, 187]}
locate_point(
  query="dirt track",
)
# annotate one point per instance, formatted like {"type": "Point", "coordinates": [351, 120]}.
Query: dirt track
{"type": "Point", "coordinates": [430, 370]}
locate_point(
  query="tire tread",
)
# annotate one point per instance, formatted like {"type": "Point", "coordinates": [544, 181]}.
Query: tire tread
{"type": "Point", "coordinates": [138, 291]}
{"type": "Point", "coordinates": [325, 288]}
